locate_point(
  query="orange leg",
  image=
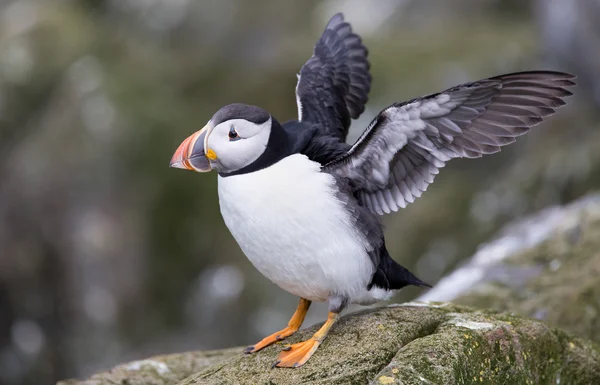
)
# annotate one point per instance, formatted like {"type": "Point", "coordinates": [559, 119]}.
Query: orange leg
{"type": "Point", "coordinates": [293, 326]}
{"type": "Point", "coordinates": [296, 355]}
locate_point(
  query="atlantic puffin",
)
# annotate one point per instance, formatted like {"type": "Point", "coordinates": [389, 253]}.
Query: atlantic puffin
{"type": "Point", "coordinates": [304, 205]}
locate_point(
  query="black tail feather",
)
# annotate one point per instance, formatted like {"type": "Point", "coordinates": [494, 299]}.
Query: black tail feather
{"type": "Point", "coordinates": [390, 275]}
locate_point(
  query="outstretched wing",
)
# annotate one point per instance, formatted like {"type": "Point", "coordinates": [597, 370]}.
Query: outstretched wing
{"type": "Point", "coordinates": [333, 85]}
{"type": "Point", "coordinates": [402, 150]}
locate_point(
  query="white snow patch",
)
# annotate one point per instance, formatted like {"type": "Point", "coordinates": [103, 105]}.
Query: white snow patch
{"type": "Point", "coordinates": [419, 304]}
{"type": "Point", "coordinates": [160, 367]}
{"type": "Point", "coordinates": [473, 325]}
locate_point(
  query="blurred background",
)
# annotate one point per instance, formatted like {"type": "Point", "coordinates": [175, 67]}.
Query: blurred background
{"type": "Point", "coordinates": [108, 255]}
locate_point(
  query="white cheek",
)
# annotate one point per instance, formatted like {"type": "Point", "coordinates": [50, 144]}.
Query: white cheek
{"type": "Point", "coordinates": [245, 151]}
{"type": "Point", "coordinates": [234, 155]}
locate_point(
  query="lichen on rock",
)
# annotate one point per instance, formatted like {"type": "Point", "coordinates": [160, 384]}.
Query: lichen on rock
{"type": "Point", "coordinates": [428, 343]}
{"type": "Point", "coordinates": [159, 370]}
{"type": "Point", "coordinates": [556, 280]}
{"type": "Point", "coordinates": [493, 349]}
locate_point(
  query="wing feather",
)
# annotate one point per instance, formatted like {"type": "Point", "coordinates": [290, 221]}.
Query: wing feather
{"type": "Point", "coordinates": [397, 157]}
{"type": "Point", "coordinates": [333, 85]}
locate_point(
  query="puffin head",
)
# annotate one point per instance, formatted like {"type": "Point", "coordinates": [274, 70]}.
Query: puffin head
{"type": "Point", "coordinates": [234, 138]}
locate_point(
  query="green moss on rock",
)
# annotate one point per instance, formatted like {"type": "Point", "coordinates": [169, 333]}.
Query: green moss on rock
{"type": "Point", "coordinates": [479, 349]}
{"type": "Point", "coordinates": [429, 343]}
{"type": "Point", "coordinates": [159, 370]}
{"type": "Point", "coordinates": [564, 291]}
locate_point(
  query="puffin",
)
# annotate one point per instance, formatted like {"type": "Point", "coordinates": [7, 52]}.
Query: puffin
{"type": "Point", "coordinates": [305, 206]}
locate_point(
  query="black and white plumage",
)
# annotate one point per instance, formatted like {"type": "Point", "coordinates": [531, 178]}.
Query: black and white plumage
{"type": "Point", "coordinates": [404, 147]}
{"type": "Point", "coordinates": [333, 85]}
{"type": "Point", "coordinates": [303, 205]}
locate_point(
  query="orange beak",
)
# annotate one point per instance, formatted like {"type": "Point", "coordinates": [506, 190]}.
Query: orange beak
{"type": "Point", "coordinates": [191, 153]}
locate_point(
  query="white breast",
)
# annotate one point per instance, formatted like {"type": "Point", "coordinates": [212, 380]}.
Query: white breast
{"type": "Point", "coordinates": [289, 223]}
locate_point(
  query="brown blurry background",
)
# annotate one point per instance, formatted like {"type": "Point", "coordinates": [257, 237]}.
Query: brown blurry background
{"type": "Point", "coordinates": [108, 255]}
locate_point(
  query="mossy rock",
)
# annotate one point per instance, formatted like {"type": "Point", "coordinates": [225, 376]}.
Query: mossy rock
{"type": "Point", "coordinates": [159, 370]}
{"type": "Point", "coordinates": [429, 343]}
{"type": "Point", "coordinates": [556, 279]}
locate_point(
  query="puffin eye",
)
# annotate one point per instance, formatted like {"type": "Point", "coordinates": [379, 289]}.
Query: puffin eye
{"type": "Point", "coordinates": [233, 135]}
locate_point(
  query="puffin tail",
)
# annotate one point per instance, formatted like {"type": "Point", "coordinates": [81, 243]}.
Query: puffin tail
{"type": "Point", "coordinates": [390, 275]}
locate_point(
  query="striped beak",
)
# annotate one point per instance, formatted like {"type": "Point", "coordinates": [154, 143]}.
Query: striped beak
{"type": "Point", "coordinates": [191, 153]}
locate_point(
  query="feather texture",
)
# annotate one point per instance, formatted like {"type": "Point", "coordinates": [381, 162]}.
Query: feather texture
{"type": "Point", "coordinates": [407, 144]}
{"type": "Point", "coordinates": [306, 239]}
{"type": "Point", "coordinates": [333, 85]}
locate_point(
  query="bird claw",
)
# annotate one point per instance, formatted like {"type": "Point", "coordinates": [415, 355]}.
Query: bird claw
{"type": "Point", "coordinates": [249, 349]}
{"type": "Point", "coordinates": [296, 355]}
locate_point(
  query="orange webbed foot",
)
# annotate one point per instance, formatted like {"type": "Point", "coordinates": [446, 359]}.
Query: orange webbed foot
{"type": "Point", "coordinates": [296, 355]}
{"type": "Point", "coordinates": [273, 338]}
{"type": "Point", "coordinates": [293, 326]}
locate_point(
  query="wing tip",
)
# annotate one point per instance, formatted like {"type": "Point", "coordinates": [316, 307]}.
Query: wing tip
{"type": "Point", "coordinates": [335, 20]}
{"type": "Point", "coordinates": [551, 75]}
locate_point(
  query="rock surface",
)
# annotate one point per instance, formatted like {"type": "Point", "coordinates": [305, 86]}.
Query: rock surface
{"type": "Point", "coordinates": [546, 266]}
{"type": "Point", "coordinates": [159, 370]}
{"type": "Point", "coordinates": [435, 343]}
